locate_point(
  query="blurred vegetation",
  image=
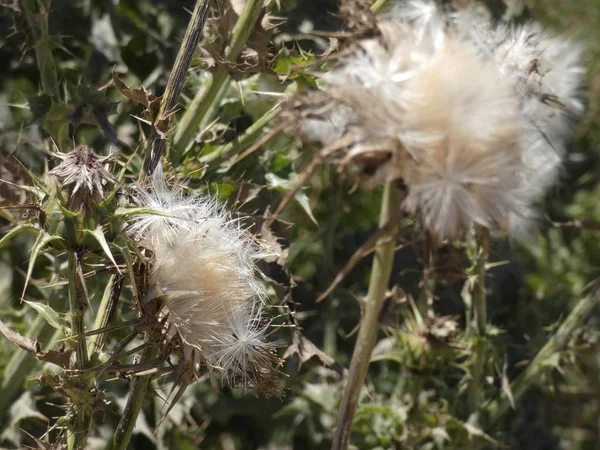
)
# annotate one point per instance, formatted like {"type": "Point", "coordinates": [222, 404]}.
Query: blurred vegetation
{"type": "Point", "coordinates": [416, 391]}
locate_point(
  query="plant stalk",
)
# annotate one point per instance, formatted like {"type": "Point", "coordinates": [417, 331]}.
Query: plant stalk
{"type": "Point", "coordinates": [379, 5]}
{"type": "Point", "coordinates": [135, 402]}
{"type": "Point", "coordinates": [76, 310]}
{"type": "Point", "coordinates": [175, 82]}
{"type": "Point", "coordinates": [37, 19]}
{"type": "Point", "coordinates": [369, 326]}
{"type": "Point", "coordinates": [479, 322]}
{"type": "Point", "coordinates": [204, 102]}
{"type": "Point", "coordinates": [244, 140]}
{"type": "Point", "coordinates": [78, 430]}
{"type": "Point", "coordinates": [108, 304]}
{"type": "Point", "coordinates": [539, 366]}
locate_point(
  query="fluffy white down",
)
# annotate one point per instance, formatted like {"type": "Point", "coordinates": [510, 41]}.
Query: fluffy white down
{"type": "Point", "coordinates": [473, 115]}
{"type": "Point", "coordinates": [204, 268]}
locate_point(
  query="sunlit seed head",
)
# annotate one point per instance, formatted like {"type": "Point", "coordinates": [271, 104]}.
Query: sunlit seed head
{"type": "Point", "coordinates": [204, 267]}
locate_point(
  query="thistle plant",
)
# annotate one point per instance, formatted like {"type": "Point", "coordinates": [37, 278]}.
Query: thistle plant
{"type": "Point", "coordinates": [462, 115]}
{"type": "Point", "coordinates": [192, 201]}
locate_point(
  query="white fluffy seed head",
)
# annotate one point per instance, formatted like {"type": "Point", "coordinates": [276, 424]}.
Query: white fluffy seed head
{"type": "Point", "coordinates": [205, 271]}
{"type": "Point", "coordinates": [470, 115]}
{"type": "Point", "coordinates": [462, 133]}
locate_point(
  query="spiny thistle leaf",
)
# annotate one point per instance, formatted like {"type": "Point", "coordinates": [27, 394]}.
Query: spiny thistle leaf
{"type": "Point", "coordinates": [42, 240]}
{"type": "Point", "coordinates": [98, 235]}
{"type": "Point", "coordinates": [47, 313]}
{"type": "Point", "coordinates": [17, 230]}
{"type": "Point", "coordinates": [282, 184]}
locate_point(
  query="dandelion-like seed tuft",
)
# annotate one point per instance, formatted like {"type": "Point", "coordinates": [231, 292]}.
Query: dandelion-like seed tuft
{"type": "Point", "coordinates": [471, 116]}
{"type": "Point", "coordinates": [204, 272]}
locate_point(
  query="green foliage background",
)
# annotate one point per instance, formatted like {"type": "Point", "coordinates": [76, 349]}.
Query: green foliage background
{"type": "Point", "coordinates": [416, 387]}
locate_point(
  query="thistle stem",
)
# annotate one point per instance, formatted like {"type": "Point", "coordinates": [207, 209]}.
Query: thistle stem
{"type": "Point", "coordinates": [244, 140]}
{"type": "Point", "coordinates": [135, 402]}
{"type": "Point", "coordinates": [379, 5]}
{"type": "Point", "coordinates": [479, 322]}
{"type": "Point", "coordinates": [37, 19]}
{"type": "Point", "coordinates": [205, 101]}
{"type": "Point", "coordinates": [539, 366]}
{"type": "Point", "coordinates": [76, 310]}
{"type": "Point", "coordinates": [78, 430]}
{"type": "Point", "coordinates": [369, 326]}
{"type": "Point", "coordinates": [176, 79]}
{"type": "Point", "coordinates": [107, 307]}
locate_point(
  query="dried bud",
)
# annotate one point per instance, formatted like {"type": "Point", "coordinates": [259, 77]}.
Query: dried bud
{"type": "Point", "coordinates": [83, 175]}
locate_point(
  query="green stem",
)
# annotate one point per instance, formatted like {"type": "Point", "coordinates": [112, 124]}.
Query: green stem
{"type": "Point", "coordinates": [369, 326]}
{"type": "Point", "coordinates": [76, 310]}
{"type": "Point", "coordinates": [205, 101]}
{"type": "Point", "coordinates": [539, 366]}
{"type": "Point", "coordinates": [379, 5]}
{"type": "Point", "coordinates": [78, 430]}
{"type": "Point", "coordinates": [244, 140]}
{"type": "Point", "coordinates": [107, 307]}
{"type": "Point", "coordinates": [135, 402]}
{"type": "Point", "coordinates": [479, 322]}
{"type": "Point", "coordinates": [37, 19]}
{"type": "Point", "coordinates": [177, 77]}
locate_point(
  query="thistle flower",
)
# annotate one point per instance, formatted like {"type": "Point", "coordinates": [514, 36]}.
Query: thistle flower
{"type": "Point", "coordinates": [83, 174]}
{"type": "Point", "coordinates": [470, 116]}
{"type": "Point", "coordinates": [204, 271]}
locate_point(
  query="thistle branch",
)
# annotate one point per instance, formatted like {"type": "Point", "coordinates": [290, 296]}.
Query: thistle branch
{"type": "Point", "coordinates": [78, 429]}
{"type": "Point", "coordinates": [479, 322]}
{"type": "Point", "coordinates": [205, 101]}
{"type": "Point", "coordinates": [539, 365]}
{"type": "Point", "coordinates": [174, 87]}
{"type": "Point", "coordinates": [135, 402]}
{"type": "Point", "coordinates": [369, 326]}
{"type": "Point", "coordinates": [37, 19]}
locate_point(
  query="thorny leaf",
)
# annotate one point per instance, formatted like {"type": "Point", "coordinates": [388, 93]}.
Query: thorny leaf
{"type": "Point", "coordinates": [506, 386]}
{"type": "Point", "coordinates": [47, 313]}
{"type": "Point", "coordinates": [287, 185]}
{"type": "Point", "coordinates": [17, 230]}
{"type": "Point", "coordinates": [472, 430]}
{"type": "Point", "coordinates": [42, 240]}
{"type": "Point", "coordinates": [98, 234]}
{"type": "Point", "coordinates": [256, 56]}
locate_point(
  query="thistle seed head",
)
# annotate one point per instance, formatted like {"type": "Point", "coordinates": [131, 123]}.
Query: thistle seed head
{"type": "Point", "coordinates": [470, 115]}
{"type": "Point", "coordinates": [83, 175]}
{"type": "Point", "coordinates": [205, 268]}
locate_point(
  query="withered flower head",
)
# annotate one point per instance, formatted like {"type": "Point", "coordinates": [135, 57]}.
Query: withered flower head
{"type": "Point", "coordinates": [470, 116]}
{"type": "Point", "coordinates": [204, 271]}
{"type": "Point", "coordinates": [83, 175]}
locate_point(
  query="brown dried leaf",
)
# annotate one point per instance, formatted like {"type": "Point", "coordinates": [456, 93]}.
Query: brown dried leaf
{"type": "Point", "coordinates": [142, 96]}
{"type": "Point", "coordinates": [306, 351]}
{"type": "Point", "coordinates": [60, 358]}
